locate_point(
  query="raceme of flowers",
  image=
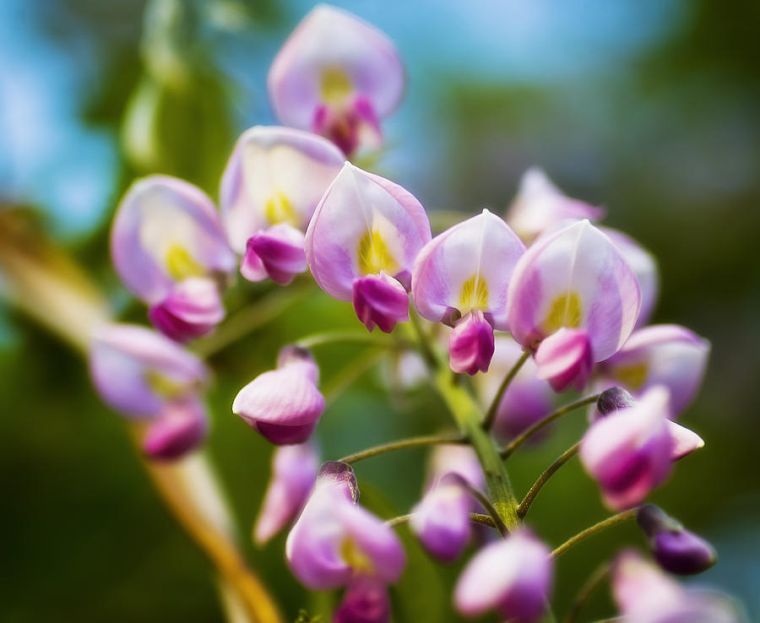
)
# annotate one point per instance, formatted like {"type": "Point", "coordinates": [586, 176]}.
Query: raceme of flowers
{"type": "Point", "coordinates": [529, 303]}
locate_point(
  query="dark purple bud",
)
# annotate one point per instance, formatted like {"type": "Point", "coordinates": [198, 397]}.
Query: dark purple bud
{"type": "Point", "coordinates": [178, 430]}
{"type": "Point", "coordinates": [471, 344]}
{"type": "Point", "coordinates": [365, 601]}
{"type": "Point", "coordinates": [614, 399]}
{"type": "Point", "coordinates": [279, 251]}
{"type": "Point", "coordinates": [191, 310]}
{"type": "Point", "coordinates": [380, 301]}
{"type": "Point", "coordinates": [676, 549]}
{"type": "Point", "coordinates": [341, 474]}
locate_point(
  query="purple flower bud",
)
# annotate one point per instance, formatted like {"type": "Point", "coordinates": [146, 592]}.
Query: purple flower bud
{"type": "Point", "coordinates": [565, 359]}
{"type": "Point", "coordinates": [676, 549]}
{"type": "Point", "coordinates": [660, 355]}
{"type": "Point", "coordinates": [192, 309]}
{"type": "Point", "coordinates": [455, 459]}
{"type": "Point", "coordinates": [276, 253]}
{"type": "Point", "coordinates": [441, 520]}
{"type": "Point", "coordinates": [573, 279]}
{"type": "Point", "coordinates": [644, 594]}
{"type": "Point", "coordinates": [613, 399]}
{"type": "Point", "coordinates": [471, 344]}
{"type": "Point", "coordinates": [365, 601]}
{"type": "Point", "coordinates": [180, 428]}
{"type": "Point", "coordinates": [335, 540]}
{"type": "Point", "coordinates": [138, 371]}
{"type": "Point", "coordinates": [294, 470]}
{"type": "Point", "coordinates": [380, 301]}
{"type": "Point", "coordinates": [630, 451]}
{"type": "Point", "coordinates": [337, 75]}
{"type": "Point", "coordinates": [366, 226]}
{"type": "Point", "coordinates": [540, 206]}
{"type": "Point", "coordinates": [513, 577]}
{"type": "Point", "coordinates": [283, 405]}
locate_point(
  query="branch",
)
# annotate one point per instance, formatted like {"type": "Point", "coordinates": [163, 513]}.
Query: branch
{"type": "Point", "coordinates": [592, 530]}
{"type": "Point", "coordinates": [411, 442]}
{"type": "Point", "coordinates": [563, 458]}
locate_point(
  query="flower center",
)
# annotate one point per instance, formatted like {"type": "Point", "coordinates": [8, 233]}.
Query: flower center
{"type": "Point", "coordinates": [633, 375]}
{"type": "Point", "coordinates": [565, 311]}
{"type": "Point", "coordinates": [164, 386]}
{"type": "Point", "coordinates": [474, 294]}
{"type": "Point", "coordinates": [279, 209]}
{"type": "Point", "coordinates": [335, 85]}
{"type": "Point", "coordinates": [180, 264]}
{"type": "Point", "coordinates": [374, 255]}
{"type": "Point", "coordinates": [355, 557]}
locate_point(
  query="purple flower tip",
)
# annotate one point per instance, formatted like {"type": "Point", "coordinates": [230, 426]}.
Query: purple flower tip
{"type": "Point", "coordinates": [180, 429]}
{"type": "Point", "coordinates": [192, 309]}
{"type": "Point", "coordinates": [471, 344]}
{"type": "Point", "coordinates": [365, 601]}
{"type": "Point", "coordinates": [380, 301]}
{"type": "Point", "coordinates": [355, 125]}
{"type": "Point", "coordinates": [613, 399]}
{"type": "Point", "coordinates": [341, 474]}
{"type": "Point", "coordinates": [277, 253]}
{"type": "Point", "coordinates": [565, 359]}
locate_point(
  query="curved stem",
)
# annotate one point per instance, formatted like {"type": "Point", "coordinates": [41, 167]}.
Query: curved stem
{"type": "Point", "coordinates": [411, 442]}
{"type": "Point", "coordinates": [486, 504]}
{"type": "Point", "coordinates": [350, 337]}
{"type": "Point", "coordinates": [563, 458]}
{"type": "Point", "coordinates": [494, 408]}
{"type": "Point", "coordinates": [592, 530]}
{"type": "Point", "coordinates": [350, 373]}
{"type": "Point", "coordinates": [479, 518]}
{"type": "Point", "coordinates": [589, 586]}
{"type": "Point", "coordinates": [555, 415]}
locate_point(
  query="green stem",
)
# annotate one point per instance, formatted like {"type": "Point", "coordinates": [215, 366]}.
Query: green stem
{"type": "Point", "coordinates": [529, 432]}
{"type": "Point", "coordinates": [589, 586]}
{"type": "Point", "coordinates": [350, 373]}
{"type": "Point", "coordinates": [486, 504]}
{"type": "Point", "coordinates": [494, 408]}
{"type": "Point", "coordinates": [467, 415]}
{"type": "Point", "coordinates": [592, 530]}
{"type": "Point", "coordinates": [563, 458]}
{"type": "Point", "coordinates": [480, 518]}
{"type": "Point", "coordinates": [411, 442]}
{"type": "Point", "coordinates": [351, 337]}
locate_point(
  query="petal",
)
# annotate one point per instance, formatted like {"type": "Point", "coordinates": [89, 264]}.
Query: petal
{"type": "Point", "coordinates": [577, 279]}
{"type": "Point", "coordinates": [471, 345]}
{"type": "Point", "coordinates": [685, 441]}
{"type": "Point", "coordinates": [137, 370]}
{"type": "Point", "coordinates": [333, 55]}
{"type": "Point", "coordinates": [468, 267]}
{"type": "Point", "coordinates": [277, 252]}
{"type": "Point", "coordinates": [275, 175]}
{"type": "Point", "coordinates": [365, 601]}
{"type": "Point", "coordinates": [640, 588]}
{"type": "Point", "coordinates": [192, 309]}
{"type": "Point", "coordinates": [380, 301]}
{"type": "Point", "coordinates": [294, 470]}
{"type": "Point", "coordinates": [667, 355]}
{"type": "Point", "coordinates": [364, 225]}
{"type": "Point", "coordinates": [166, 230]}
{"type": "Point", "coordinates": [455, 459]}
{"type": "Point", "coordinates": [564, 359]}
{"type": "Point", "coordinates": [540, 206]}
{"type": "Point", "coordinates": [179, 429]}
{"type": "Point", "coordinates": [644, 266]}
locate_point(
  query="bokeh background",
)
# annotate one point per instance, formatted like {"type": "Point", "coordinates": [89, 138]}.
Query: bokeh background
{"type": "Point", "coordinates": [649, 107]}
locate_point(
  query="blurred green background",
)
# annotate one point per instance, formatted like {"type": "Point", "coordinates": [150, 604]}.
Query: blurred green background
{"type": "Point", "coordinates": [649, 107]}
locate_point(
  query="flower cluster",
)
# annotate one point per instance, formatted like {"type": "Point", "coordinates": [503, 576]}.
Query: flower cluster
{"type": "Point", "coordinates": [530, 304]}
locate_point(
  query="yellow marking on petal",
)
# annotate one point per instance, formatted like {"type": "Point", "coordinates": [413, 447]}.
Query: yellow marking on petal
{"type": "Point", "coordinates": [180, 264]}
{"type": "Point", "coordinates": [279, 209]}
{"type": "Point", "coordinates": [474, 294]}
{"type": "Point", "coordinates": [633, 376]}
{"type": "Point", "coordinates": [164, 386]}
{"type": "Point", "coordinates": [355, 557]}
{"type": "Point", "coordinates": [374, 255]}
{"type": "Point", "coordinates": [565, 311]}
{"type": "Point", "coordinates": [335, 85]}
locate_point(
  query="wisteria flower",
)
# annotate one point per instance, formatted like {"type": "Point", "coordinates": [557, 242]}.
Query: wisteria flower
{"type": "Point", "coordinates": [270, 189]}
{"type": "Point", "coordinates": [573, 300]}
{"type": "Point", "coordinates": [461, 278]}
{"type": "Point", "coordinates": [170, 250]}
{"type": "Point", "coordinates": [362, 242]}
{"type": "Point", "coordinates": [337, 76]}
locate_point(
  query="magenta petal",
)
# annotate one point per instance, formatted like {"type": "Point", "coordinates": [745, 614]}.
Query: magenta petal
{"type": "Point", "coordinates": [565, 359]}
{"type": "Point", "coordinates": [380, 301]}
{"type": "Point", "coordinates": [279, 251]}
{"type": "Point", "coordinates": [442, 519]}
{"type": "Point", "coordinates": [178, 430]}
{"type": "Point", "coordinates": [192, 309]}
{"type": "Point", "coordinates": [455, 459]}
{"type": "Point", "coordinates": [353, 128]}
{"type": "Point", "coordinates": [471, 344]}
{"type": "Point", "coordinates": [365, 601]}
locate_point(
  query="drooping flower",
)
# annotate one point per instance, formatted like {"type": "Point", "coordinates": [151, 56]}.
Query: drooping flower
{"type": "Point", "coordinates": [283, 405]}
{"type": "Point", "coordinates": [270, 189]}
{"type": "Point", "coordinates": [527, 399]}
{"type": "Point", "coordinates": [630, 452]}
{"type": "Point", "coordinates": [335, 540]}
{"type": "Point", "coordinates": [540, 206]}
{"type": "Point", "coordinates": [644, 594]}
{"type": "Point", "coordinates": [675, 548]}
{"type": "Point", "coordinates": [365, 601]}
{"type": "Point", "coordinates": [441, 520]}
{"type": "Point", "coordinates": [169, 249]}
{"type": "Point", "coordinates": [644, 266]}
{"type": "Point", "coordinates": [337, 76]}
{"type": "Point", "coordinates": [573, 300]}
{"type": "Point", "coordinates": [294, 470]}
{"type": "Point", "coordinates": [512, 576]}
{"type": "Point", "coordinates": [146, 376]}
{"type": "Point", "coordinates": [362, 242]}
{"type": "Point", "coordinates": [461, 277]}
{"type": "Point", "coordinates": [667, 355]}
